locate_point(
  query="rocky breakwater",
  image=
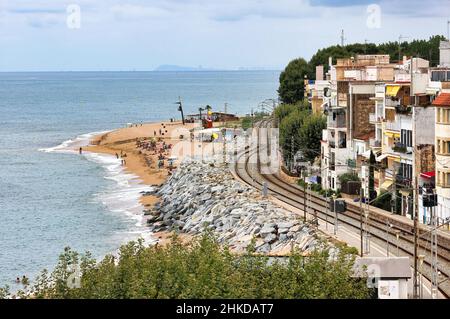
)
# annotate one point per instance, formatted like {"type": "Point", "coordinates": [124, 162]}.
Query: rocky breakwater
{"type": "Point", "coordinates": [203, 196]}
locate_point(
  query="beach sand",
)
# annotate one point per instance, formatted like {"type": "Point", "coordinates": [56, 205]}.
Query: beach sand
{"type": "Point", "coordinates": [142, 163]}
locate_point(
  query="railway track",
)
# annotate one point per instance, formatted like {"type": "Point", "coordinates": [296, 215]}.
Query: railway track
{"type": "Point", "coordinates": [248, 168]}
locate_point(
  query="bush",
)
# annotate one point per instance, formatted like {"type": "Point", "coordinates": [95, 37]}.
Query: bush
{"type": "Point", "coordinates": [202, 269]}
{"type": "Point", "coordinates": [348, 177]}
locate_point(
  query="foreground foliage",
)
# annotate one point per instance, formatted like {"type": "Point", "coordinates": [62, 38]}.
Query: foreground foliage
{"type": "Point", "coordinates": [201, 269]}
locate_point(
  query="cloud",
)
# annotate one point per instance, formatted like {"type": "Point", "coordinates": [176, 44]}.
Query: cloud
{"type": "Point", "coordinates": [341, 3]}
{"type": "Point", "coordinates": [126, 12]}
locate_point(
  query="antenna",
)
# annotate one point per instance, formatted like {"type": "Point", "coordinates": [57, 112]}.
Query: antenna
{"type": "Point", "coordinates": [448, 30]}
{"type": "Point", "coordinates": [400, 37]}
{"type": "Point", "coordinates": [342, 37]}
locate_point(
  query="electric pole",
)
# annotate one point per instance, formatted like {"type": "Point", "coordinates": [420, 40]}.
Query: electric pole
{"type": "Point", "coordinates": [448, 30]}
{"type": "Point", "coordinates": [292, 154]}
{"type": "Point", "coordinates": [416, 274]}
{"type": "Point", "coordinates": [361, 220]}
{"type": "Point", "coordinates": [434, 256]}
{"type": "Point", "coordinates": [342, 37]}
{"type": "Point", "coordinates": [400, 37]}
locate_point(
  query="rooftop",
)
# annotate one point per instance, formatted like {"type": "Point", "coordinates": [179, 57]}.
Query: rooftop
{"type": "Point", "coordinates": [443, 99]}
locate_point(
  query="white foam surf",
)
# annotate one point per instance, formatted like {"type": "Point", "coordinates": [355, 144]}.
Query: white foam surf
{"type": "Point", "coordinates": [123, 196]}
{"type": "Point", "coordinates": [70, 146]}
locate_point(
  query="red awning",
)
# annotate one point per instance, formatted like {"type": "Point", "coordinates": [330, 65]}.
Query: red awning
{"type": "Point", "coordinates": [428, 174]}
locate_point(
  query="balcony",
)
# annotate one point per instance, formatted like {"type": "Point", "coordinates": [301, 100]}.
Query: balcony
{"type": "Point", "coordinates": [373, 119]}
{"type": "Point", "coordinates": [400, 148]}
{"type": "Point", "coordinates": [393, 126]}
{"type": "Point", "coordinates": [403, 109]}
{"type": "Point", "coordinates": [402, 181]}
{"type": "Point", "coordinates": [339, 122]}
{"type": "Point", "coordinates": [374, 143]}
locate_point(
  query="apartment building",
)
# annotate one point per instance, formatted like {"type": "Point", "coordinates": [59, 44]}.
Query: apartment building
{"type": "Point", "coordinates": [351, 100]}
{"type": "Point", "coordinates": [403, 118]}
{"type": "Point", "coordinates": [440, 85]}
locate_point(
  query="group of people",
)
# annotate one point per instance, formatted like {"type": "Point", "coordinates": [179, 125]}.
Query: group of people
{"type": "Point", "coordinates": [162, 130]}
{"type": "Point", "coordinates": [122, 157]}
{"type": "Point", "coordinates": [156, 147]}
{"type": "Point", "coordinates": [23, 281]}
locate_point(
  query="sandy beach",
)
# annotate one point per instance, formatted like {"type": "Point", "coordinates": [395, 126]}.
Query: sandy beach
{"type": "Point", "coordinates": [140, 162]}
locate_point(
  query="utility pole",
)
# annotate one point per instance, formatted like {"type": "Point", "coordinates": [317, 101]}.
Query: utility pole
{"type": "Point", "coordinates": [434, 256]}
{"type": "Point", "coordinates": [292, 154]}
{"type": "Point", "coordinates": [225, 112]}
{"type": "Point", "coordinates": [336, 221]}
{"type": "Point", "coordinates": [342, 37]}
{"type": "Point", "coordinates": [304, 197]}
{"type": "Point", "coordinates": [224, 146]}
{"type": "Point", "coordinates": [400, 37]}
{"type": "Point", "coordinates": [448, 30]}
{"type": "Point", "coordinates": [416, 274]}
{"type": "Point", "coordinates": [361, 220]}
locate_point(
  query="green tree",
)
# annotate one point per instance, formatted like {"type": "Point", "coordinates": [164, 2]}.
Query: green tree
{"type": "Point", "coordinates": [311, 135]}
{"type": "Point", "coordinates": [290, 138]}
{"type": "Point", "coordinates": [202, 269]}
{"type": "Point", "coordinates": [292, 88]}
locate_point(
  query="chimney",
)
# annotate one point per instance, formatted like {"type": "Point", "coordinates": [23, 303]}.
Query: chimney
{"type": "Point", "coordinates": [319, 72]}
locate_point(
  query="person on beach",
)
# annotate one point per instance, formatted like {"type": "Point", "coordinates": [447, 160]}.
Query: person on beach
{"type": "Point", "coordinates": [117, 156]}
{"type": "Point", "coordinates": [17, 280]}
{"type": "Point", "coordinates": [81, 150]}
{"type": "Point", "coordinates": [160, 131]}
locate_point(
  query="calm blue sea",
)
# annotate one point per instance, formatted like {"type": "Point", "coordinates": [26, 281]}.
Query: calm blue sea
{"type": "Point", "coordinates": [51, 199]}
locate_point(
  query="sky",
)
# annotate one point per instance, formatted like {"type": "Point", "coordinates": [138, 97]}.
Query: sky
{"type": "Point", "coordinates": [106, 35]}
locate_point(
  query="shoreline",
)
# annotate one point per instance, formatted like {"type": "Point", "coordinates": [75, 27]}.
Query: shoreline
{"type": "Point", "coordinates": [141, 163]}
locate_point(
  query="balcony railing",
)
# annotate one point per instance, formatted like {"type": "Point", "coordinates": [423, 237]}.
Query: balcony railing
{"type": "Point", "coordinates": [401, 180]}
{"type": "Point", "coordinates": [374, 143]}
{"type": "Point", "coordinates": [402, 109]}
{"type": "Point", "coordinates": [374, 119]}
{"type": "Point", "coordinates": [393, 126]}
{"type": "Point", "coordinates": [338, 123]}
{"type": "Point", "coordinates": [400, 148]}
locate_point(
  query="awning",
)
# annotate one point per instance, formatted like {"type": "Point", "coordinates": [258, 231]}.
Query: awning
{"type": "Point", "coordinates": [392, 134]}
{"type": "Point", "coordinates": [392, 90]}
{"type": "Point", "coordinates": [381, 157]}
{"type": "Point", "coordinates": [428, 174]}
{"type": "Point", "coordinates": [386, 184]}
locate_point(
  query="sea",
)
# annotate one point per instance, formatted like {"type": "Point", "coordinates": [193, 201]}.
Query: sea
{"type": "Point", "coordinates": [50, 196]}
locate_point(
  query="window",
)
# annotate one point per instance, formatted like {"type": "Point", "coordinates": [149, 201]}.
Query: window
{"type": "Point", "coordinates": [406, 137]}
{"type": "Point", "coordinates": [439, 76]}
{"type": "Point", "coordinates": [443, 116]}
{"type": "Point", "coordinates": [406, 170]}
{"type": "Point", "coordinates": [443, 179]}
{"type": "Point", "coordinates": [443, 146]}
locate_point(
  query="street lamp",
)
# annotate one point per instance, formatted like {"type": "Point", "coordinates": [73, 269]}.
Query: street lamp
{"type": "Point", "coordinates": [180, 108]}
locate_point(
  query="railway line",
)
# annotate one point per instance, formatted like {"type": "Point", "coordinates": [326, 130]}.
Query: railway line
{"type": "Point", "coordinates": [248, 168]}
